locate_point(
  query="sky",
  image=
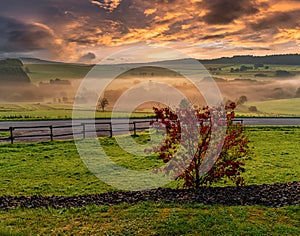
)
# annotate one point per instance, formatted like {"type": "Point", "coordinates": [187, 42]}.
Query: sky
{"type": "Point", "coordinates": [89, 30]}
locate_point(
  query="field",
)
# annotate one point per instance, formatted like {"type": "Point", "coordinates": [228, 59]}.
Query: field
{"type": "Point", "coordinates": [38, 111]}
{"type": "Point", "coordinates": [45, 72]}
{"type": "Point", "coordinates": [40, 168]}
{"type": "Point", "coordinates": [272, 95]}
{"type": "Point", "coordinates": [152, 219]}
{"type": "Point", "coordinates": [268, 70]}
{"type": "Point", "coordinates": [281, 107]}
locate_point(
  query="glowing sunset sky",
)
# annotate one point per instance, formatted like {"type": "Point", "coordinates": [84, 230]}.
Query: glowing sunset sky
{"type": "Point", "coordinates": [88, 30]}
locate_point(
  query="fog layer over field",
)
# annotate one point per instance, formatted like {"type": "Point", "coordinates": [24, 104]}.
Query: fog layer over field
{"type": "Point", "coordinates": [152, 88]}
{"type": "Point", "coordinates": [260, 90]}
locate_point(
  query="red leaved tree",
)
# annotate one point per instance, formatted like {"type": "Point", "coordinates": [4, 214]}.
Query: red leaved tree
{"type": "Point", "coordinates": [202, 146]}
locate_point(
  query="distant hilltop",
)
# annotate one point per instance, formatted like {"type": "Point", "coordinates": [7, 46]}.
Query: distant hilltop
{"type": "Point", "coordinates": [280, 59]}
{"type": "Point", "coordinates": [11, 72]}
{"type": "Point", "coordinates": [283, 59]}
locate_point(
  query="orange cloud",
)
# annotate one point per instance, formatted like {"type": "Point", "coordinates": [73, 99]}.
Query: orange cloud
{"type": "Point", "coordinates": [200, 27]}
{"type": "Point", "coordinates": [109, 5]}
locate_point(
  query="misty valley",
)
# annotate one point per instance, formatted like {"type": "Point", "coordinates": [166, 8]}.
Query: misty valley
{"type": "Point", "coordinates": [255, 87]}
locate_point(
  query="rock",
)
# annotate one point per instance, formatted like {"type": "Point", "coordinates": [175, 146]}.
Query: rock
{"type": "Point", "coordinates": [272, 195]}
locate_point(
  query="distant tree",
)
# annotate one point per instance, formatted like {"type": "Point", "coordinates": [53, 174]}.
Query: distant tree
{"type": "Point", "coordinates": [65, 99]}
{"type": "Point", "coordinates": [252, 109]}
{"type": "Point", "coordinates": [103, 103]}
{"type": "Point", "coordinates": [298, 93]}
{"type": "Point", "coordinates": [243, 68]}
{"type": "Point", "coordinates": [257, 65]}
{"type": "Point", "coordinates": [283, 73]}
{"type": "Point", "coordinates": [184, 104]}
{"type": "Point", "coordinates": [27, 70]}
{"type": "Point", "coordinates": [261, 75]}
{"type": "Point", "coordinates": [242, 99]}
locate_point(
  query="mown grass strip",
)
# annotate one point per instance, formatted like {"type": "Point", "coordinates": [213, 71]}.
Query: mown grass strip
{"type": "Point", "coordinates": [152, 219]}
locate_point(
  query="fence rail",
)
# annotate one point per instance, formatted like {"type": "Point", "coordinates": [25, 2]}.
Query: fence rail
{"type": "Point", "coordinates": [50, 132]}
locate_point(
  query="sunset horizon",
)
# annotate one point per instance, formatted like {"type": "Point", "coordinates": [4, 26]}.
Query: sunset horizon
{"type": "Point", "coordinates": [87, 31]}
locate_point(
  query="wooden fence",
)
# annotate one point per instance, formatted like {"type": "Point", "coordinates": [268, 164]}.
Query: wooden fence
{"type": "Point", "coordinates": [50, 132]}
{"type": "Point", "coordinates": [85, 130]}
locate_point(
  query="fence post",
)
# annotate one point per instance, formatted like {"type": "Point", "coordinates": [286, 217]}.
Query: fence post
{"type": "Point", "coordinates": [134, 128]}
{"type": "Point", "coordinates": [51, 132]}
{"type": "Point", "coordinates": [11, 129]}
{"type": "Point", "coordinates": [110, 130]}
{"type": "Point", "coordinates": [83, 130]}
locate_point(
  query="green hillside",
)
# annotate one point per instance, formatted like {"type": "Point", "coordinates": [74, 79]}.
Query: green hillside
{"type": "Point", "coordinates": [288, 59]}
{"type": "Point", "coordinates": [280, 107]}
{"type": "Point", "coordinates": [46, 72]}
{"type": "Point", "coordinates": [11, 72]}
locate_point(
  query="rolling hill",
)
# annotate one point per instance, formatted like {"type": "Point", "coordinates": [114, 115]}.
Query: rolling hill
{"type": "Point", "coordinates": [11, 72]}
{"type": "Point", "coordinates": [288, 59]}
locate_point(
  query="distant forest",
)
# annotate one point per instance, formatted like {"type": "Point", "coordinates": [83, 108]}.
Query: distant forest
{"type": "Point", "coordinates": [283, 59]}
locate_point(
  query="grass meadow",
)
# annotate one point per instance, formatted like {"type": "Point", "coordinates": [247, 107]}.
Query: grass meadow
{"type": "Point", "coordinates": [43, 72]}
{"type": "Point", "coordinates": [55, 168]}
{"type": "Point", "coordinates": [265, 98]}
{"type": "Point", "coordinates": [280, 107]}
{"type": "Point", "coordinates": [38, 111]}
{"type": "Point", "coordinates": [43, 111]}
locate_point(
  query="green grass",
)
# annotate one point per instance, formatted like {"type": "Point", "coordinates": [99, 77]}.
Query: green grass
{"type": "Point", "coordinates": [4, 134]}
{"type": "Point", "coordinates": [55, 167]}
{"type": "Point", "coordinates": [40, 111]}
{"type": "Point", "coordinates": [43, 111]}
{"type": "Point", "coordinates": [152, 219]}
{"type": "Point", "coordinates": [271, 71]}
{"type": "Point", "coordinates": [45, 72]}
{"type": "Point", "coordinates": [46, 169]}
{"type": "Point", "coordinates": [275, 155]}
{"type": "Point", "coordinates": [281, 107]}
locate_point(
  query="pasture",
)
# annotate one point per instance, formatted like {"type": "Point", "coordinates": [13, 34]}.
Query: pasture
{"type": "Point", "coordinates": [47, 111]}
{"type": "Point", "coordinates": [54, 168]}
{"type": "Point", "coordinates": [277, 107]}
{"type": "Point", "coordinates": [44, 72]}
{"type": "Point", "coordinates": [50, 111]}
{"type": "Point", "coordinates": [271, 95]}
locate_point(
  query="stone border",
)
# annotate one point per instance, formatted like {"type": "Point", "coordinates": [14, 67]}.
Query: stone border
{"type": "Point", "coordinates": [270, 195]}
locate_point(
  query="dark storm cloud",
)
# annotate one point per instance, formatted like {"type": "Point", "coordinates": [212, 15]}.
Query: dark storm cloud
{"type": "Point", "coordinates": [21, 37]}
{"type": "Point", "coordinates": [51, 12]}
{"type": "Point", "coordinates": [214, 36]}
{"type": "Point", "coordinates": [287, 20]}
{"type": "Point", "coordinates": [130, 15]}
{"type": "Point", "coordinates": [253, 38]}
{"type": "Point", "coordinates": [70, 28]}
{"type": "Point", "coordinates": [87, 57]}
{"type": "Point", "coordinates": [174, 28]}
{"type": "Point", "coordinates": [226, 11]}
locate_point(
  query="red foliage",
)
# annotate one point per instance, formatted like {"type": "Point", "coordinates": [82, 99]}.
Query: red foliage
{"type": "Point", "coordinates": [202, 146]}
